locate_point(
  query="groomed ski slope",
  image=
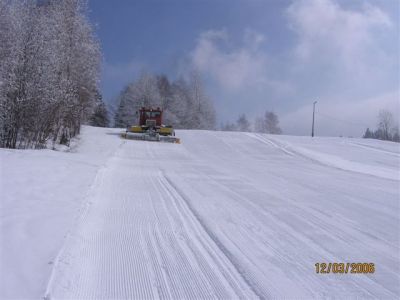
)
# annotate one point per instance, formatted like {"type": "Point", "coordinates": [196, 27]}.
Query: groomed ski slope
{"type": "Point", "coordinates": [235, 215]}
{"type": "Point", "coordinates": [231, 215]}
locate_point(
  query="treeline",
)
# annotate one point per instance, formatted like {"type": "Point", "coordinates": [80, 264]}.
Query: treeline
{"type": "Point", "coordinates": [387, 130]}
{"type": "Point", "coordinates": [184, 101]}
{"type": "Point", "coordinates": [49, 71]}
{"type": "Point", "coordinates": [268, 123]}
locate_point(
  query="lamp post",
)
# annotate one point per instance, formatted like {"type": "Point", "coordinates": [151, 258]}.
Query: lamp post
{"type": "Point", "coordinates": [313, 118]}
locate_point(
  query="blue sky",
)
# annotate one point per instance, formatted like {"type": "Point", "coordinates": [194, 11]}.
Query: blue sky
{"type": "Point", "coordinates": [255, 55]}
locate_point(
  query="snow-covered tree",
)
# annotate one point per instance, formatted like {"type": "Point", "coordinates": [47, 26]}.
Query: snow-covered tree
{"type": "Point", "coordinates": [387, 129]}
{"type": "Point", "coordinates": [164, 89]}
{"type": "Point", "coordinates": [125, 111]}
{"type": "Point", "coordinates": [185, 104]}
{"type": "Point", "coordinates": [171, 104]}
{"type": "Point", "coordinates": [141, 93]}
{"type": "Point", "coordinates": [79, 65]}
{"type": "Point", "coordinates": [18, 39]}
{"type": "Point", "coordinates": [243, 124]}
{"type": "Point", "coordinates": [228, 127]}
{"type": "Point", "coordinates": [268, 124]}
{"type": "Point", "coordinates": [202, 111]}
{"type": "Point", "coordinates": [259, 125]}
{"type": "Point", "coordinates": [396, 134]}
{"type": "Point", "coordinates": [49, 69]}
{"type": "Point", "coordinates": [100, 117]}
{"type": "Point", "coordinates": [180, 104]}
{"type": "Point", "coordinates": [272, 123]}
{"type": "Point", "coordinates": [368, 134]}
{"type": "Point", "coordinates": [385, 123]}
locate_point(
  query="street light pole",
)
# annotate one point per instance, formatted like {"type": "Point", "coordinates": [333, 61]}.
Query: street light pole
{"type": "Point", "coordinates": [313, 117]}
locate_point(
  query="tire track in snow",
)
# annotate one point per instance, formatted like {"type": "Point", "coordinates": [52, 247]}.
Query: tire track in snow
{"type": "Point", "coordinates": [173, 241]}
{"type": "Point", "coordinates": [269, 142]}
{"type": "Point", "coordinates": [190, 210]}
{"type": "Point", "coordinates": [198, 240]}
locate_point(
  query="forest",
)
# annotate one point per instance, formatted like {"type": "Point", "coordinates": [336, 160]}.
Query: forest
{"type": "Point", "coordinates": [49, 72]}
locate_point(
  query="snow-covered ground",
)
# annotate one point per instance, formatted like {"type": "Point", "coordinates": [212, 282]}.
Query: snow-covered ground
{"type": "Point", "coordinates": [222, 215]}
{"type": "Point", "coordinates": [41, 194]}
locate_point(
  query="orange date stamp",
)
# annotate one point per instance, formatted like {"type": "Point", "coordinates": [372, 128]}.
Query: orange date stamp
{"type": "Point", "coordinates": [345, 268]}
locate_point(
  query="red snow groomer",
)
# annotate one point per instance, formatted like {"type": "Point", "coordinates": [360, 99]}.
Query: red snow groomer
{"type": "Point", "coordinates": [150, 127]}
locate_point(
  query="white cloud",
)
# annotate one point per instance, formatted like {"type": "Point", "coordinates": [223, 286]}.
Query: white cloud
{"type": "Point", "coordinates": [238, 74]}
{"type": "Point", "coordinates": [342, 59]}
{"type": "Point", "coordinates": [331, 35]}
{"type": "Point", "coordinates": [232, 68]}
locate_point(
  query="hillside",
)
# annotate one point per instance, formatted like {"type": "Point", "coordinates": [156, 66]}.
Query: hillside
{"type": "Point", "coordinates": [222, 215]}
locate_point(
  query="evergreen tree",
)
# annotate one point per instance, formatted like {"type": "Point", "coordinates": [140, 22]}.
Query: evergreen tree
{"type": "Point", "coordinates": [229, 127]}
{"type": "Point", "coordinates": [100, 116]}
{"type": "Point", "coordinates": [368, 134]}
{"type": "Point", "coordinates": [378, 134]}
{"type": "Point", "coordinates": [125, 112]}
{"type": "Point", "coordinates": [243, 124]}
{"type": "Point", "coordinates": [395, 134]}
{"type": "Point", "coordinates": [259, 125]}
